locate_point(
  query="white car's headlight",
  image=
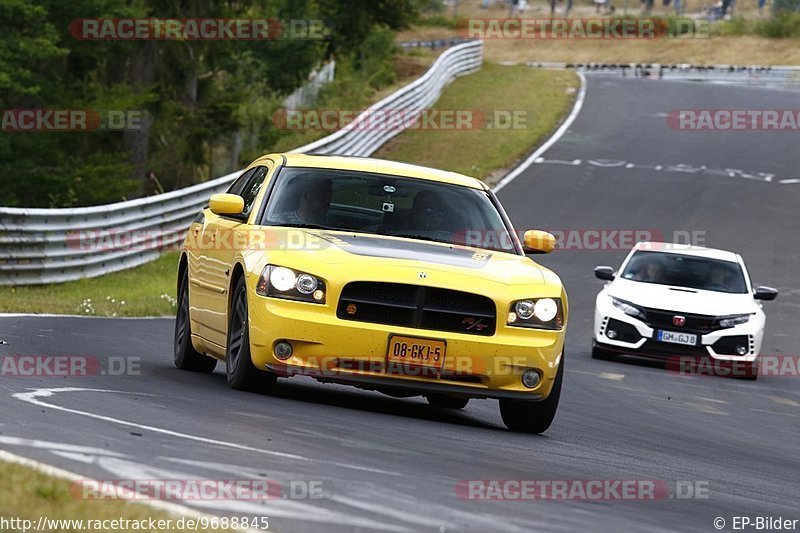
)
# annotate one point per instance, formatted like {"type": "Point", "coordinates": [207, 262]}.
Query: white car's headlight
{"type": "Point", "coordinates": [628, 308]}
{"type": "Point", "coordinates": [733, 320]}
{"type": "Point", "coordinates": [541, 313]}
{"type": "Point", "coordinates": [282, 282]}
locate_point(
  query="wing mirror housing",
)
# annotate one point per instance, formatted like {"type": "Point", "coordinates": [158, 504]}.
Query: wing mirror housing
{"type": "Point", "coordinates": [765, 293]}
{"type": "Point", "coordinates": [226, 204]}
{"type": "Point", "coordinates": [605, 273]}
{"type": "Point", "coordinates": [535, 241]}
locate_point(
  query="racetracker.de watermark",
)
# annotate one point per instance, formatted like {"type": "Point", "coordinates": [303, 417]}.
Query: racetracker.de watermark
{"type": "Point", "coordinates": [588, 239]}
{"type": "Point", "coordinates": [580, 489]}
{"type": "Point", "coordinates": [401, 119]}
{"type": "Point", "coordinates": [47, 120]}
{"type": "Point", "coordinates": [199, 489]}
{"type": "Point", "coordinates": [734, 119]}
{"type": "Point", "coordinates": [595, 28]}
{"type": "Point", "coordinates": [196, 29]}
{"type": "Point", "coordinates": [764, 366]}
{"type": "Point", "coordinates": [591, 239]}
{"type": "Point", "coordinates": [61, 366]}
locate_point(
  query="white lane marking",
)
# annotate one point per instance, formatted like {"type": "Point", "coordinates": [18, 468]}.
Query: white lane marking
{"type": "Point", "coordinates": [368, 469]}
{"type": "Point", "coordinates": [47, 445]}
{"type": "Point", "coordinates": [712, 400]}
{"type": "Point", "coordinates": [33, 396]}
{"type": "Point", "coordinates": [167, 507]}
{"type": "Point", "coordinates": [789, 181]}
{"type": "Point", "coordinates": [551, 141]}
{"type": "Point", "coordinates": [774, 412]}
{"type": "Point", "coordinates": [401, 505]}
{"type": "Point", "coordinates": [785, 401]}
{"type": "Point", "coordinates": [122, 469]}
{"type": "Point", "coordinates": [543, 161]}
{"type": "Point", "coordinates": [611, 376]}
{"type": "Point", "coordinates": [391, 511]}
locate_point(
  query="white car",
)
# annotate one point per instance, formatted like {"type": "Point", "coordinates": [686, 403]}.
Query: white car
{"type": "Point", "coordinates": [672, 300]}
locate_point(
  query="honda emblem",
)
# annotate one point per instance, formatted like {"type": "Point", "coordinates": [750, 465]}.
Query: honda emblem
{"type": "Point", "coordinates": [679, 320]}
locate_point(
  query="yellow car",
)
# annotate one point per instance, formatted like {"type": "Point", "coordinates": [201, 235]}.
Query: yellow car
{"type": "Point", "coordinates": [382, 275]}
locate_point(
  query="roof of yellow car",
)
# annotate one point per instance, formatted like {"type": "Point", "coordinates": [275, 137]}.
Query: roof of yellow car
{"type": "Point", "coordinates": [381, 166]}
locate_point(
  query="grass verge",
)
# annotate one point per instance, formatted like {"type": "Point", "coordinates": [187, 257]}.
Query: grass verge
{"type": "Point", "coordinates": [541, 97]}
{"type": "Point", "coordinates": [750, 38]}
{"type": "Point", "coordinates": [27, 494]}
{"type": "Point", "coordinates": [148, 290]}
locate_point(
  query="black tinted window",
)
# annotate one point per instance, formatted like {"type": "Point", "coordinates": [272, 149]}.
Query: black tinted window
{"type": "Point", "coordinates": [251, 188]}
{"type": "Point", "coordinates": [686, 271]}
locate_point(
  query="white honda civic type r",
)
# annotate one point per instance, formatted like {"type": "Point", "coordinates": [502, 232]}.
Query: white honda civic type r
{"type": "Point", "coordinates": [671, 300]}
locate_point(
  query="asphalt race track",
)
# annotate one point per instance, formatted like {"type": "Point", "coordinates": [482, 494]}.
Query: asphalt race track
{"type": "Point", "coordinates": [393, 464]}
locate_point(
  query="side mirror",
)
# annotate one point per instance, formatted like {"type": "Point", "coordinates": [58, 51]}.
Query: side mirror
{"type": "Point", "coordinates": [604, 272]}
{"type": "Point", "coordinates": [226, 204]}
{"type": "Point", "coordinates": [765, 293]}
{"type": "Point", "coordinates": [535, 241]}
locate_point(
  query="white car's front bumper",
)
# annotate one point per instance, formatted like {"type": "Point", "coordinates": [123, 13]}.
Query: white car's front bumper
{"type": "Point", "coordinates": [638, 337]}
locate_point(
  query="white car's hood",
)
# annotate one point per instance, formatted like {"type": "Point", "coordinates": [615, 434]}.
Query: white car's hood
{"type": "Point", "coordinates": [681, 299]}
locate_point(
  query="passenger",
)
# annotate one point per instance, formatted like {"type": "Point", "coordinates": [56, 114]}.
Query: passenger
{"type": "Point", "coordinates": [652, 273]}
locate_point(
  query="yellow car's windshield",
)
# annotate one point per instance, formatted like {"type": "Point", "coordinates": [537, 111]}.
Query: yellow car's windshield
{"type": "Point", "coordinates": [387, 205]}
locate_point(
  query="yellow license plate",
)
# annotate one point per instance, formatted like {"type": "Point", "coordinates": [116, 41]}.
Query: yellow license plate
{"type": "Point", "coordinates": [414, 351]}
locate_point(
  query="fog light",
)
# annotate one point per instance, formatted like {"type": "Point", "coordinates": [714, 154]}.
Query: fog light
{"type": "Point", "coordinates": [531, 379]}
{"type": "Point", "coordinates": [741, 350]}
{"type": "Point", "coordinates": [283, 350]}
{"type": "Point", "coordinates": [611, 334]}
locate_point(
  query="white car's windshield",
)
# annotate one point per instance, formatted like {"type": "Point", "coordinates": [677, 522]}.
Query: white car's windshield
{"type": "Point", "coordinates": [386, 205]}
{"type": "Point", "coordinates": [685, 271]}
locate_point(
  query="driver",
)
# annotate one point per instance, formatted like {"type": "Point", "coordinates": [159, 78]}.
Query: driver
{"type": "Point", "coordinates": [314, 202]}
{"type": "Point", "coordinates": [428, 211]}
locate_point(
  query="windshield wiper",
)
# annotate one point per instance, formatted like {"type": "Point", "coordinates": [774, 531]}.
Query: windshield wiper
{"type": "Point", "coordinates": [306, 226]}
{"type": "Point", "coordinates": [420, 237]}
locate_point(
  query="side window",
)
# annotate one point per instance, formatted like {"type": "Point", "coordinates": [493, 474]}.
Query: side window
{"type": "Point", "coordinates": [251, 188]}
{"type": "Point", "coordinates": [237, 186]}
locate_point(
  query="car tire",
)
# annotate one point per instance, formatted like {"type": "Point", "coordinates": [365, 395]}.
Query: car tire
{"type": "Point", "coordinates": [533, 417]}
{"type": "Point", "coordinates": [239, 368]}
{"type": "Point", "coordinates": [447, 402]}
{"type": "Point", "coordinates": [185, 356]}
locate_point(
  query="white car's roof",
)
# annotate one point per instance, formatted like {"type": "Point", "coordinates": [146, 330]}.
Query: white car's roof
{"type": "Point", "coordinates": [686, 249]}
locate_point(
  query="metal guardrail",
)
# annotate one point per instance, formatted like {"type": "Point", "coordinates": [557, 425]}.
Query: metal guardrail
{"type": "Point", "coordinates": [40, 246]}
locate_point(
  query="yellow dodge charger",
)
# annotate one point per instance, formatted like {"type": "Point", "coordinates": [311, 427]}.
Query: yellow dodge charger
{"type": "Point", "coordinates": [382, 275]}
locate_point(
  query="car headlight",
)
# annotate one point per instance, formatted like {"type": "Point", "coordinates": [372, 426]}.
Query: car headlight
{"type": "Point", "coordinates": [629, 308]}
{"type": "Point", "coordinates": [734, 320]}
{"type": "Point", "coordinates": [541, 313]}
{"type": "Point", "coordinates": [282, 282]}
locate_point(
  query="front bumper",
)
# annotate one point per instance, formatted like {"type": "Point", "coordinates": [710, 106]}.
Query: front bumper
{"type": "Point", "coordinates": [335, 350]}
{"type": "Point", "coordinates": [636, 337]}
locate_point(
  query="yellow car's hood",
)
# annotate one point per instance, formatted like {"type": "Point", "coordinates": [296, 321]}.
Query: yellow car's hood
{"type": "Point", "coordinates": [294, 247]}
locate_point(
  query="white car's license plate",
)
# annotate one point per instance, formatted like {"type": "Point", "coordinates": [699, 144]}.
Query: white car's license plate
{"type": "Point", "coordinates": [676, 337]}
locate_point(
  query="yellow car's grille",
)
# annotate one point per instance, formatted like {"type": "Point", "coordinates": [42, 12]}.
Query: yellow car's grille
{"type": "Point", "coordinates": [417, 306]}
